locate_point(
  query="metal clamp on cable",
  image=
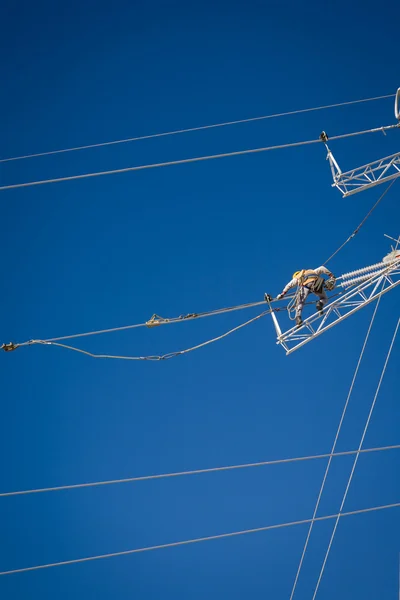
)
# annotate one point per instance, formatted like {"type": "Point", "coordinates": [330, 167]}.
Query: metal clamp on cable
{"type": "Point", "coordinates": [189, 316]}
{"type": "Point", "coordinates": [323, 137]}
{"type": "Point", "coordinates": [155, 320]}
{"type": "Point", "coordinates": [9, 347]}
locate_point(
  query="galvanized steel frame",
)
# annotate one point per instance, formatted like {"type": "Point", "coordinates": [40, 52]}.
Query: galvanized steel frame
{"type": "Point", "coordinates": [340, 309]}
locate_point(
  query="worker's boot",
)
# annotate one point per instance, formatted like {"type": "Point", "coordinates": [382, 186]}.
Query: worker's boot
{"type": "Point", "coordinates": [299, 321]}
{"type": "Point", "coordinates": [320, 307]}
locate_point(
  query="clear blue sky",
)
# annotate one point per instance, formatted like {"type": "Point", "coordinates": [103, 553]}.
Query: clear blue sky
{"type": "Point", "coordinates": [110, 251]}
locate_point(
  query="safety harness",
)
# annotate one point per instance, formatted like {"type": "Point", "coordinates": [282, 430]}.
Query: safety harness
{"type": "Point", "coordinates": [315, 283]}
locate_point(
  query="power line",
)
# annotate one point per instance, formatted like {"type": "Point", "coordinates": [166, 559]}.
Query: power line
{"type": "Point", "coordinates": [192, 129]}
{"type": "Point", "coordinates": [356, 460]}
{"type": "Point", "coordinates": [197, 540]}
{"type": "Point", "coordinates": [153, 322]}
{"type": "Point", "coordinates": [381, 197]}
{"type": "Point", "coordinates": [192, 160]}
{"type": "Point", "coordinates": [157, 320]}
{"type": "Point", "coordinates": [154, 357]}
{"type": "Point", "coordinates": [314, 517]}
{"type": "Point", "coordinates": [266, 463]}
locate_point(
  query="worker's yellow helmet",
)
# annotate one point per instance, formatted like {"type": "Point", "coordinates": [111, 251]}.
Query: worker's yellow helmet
{"type": "Point", "coordinates": [297, 274]}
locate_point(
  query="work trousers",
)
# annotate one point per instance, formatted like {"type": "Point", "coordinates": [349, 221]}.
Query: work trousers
{"type": "Point", "coordinates": [302, 297]}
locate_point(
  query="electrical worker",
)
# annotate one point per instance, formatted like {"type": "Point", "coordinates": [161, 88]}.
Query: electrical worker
{"type": "Point", "coordinates": [309, 280]}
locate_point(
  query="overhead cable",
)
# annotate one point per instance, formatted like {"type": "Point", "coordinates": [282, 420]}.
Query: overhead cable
{"type": "Point", "coordinates": [314, 517]}
{"type": "Point", "coordinates": [357, 229]}
{"type": "Point", "coordinates": [356, 460]}
{"type": "Point", "coordinates": [266, 463]}
{"type": "Point", "coordinates": [192, 160]}
{"type": "Point", "coordinates": [192, 129]}
{"type": "Point", "coordinates": [197, 540]}
{"type": "Point", "coordinates": [153, 357]}
{"type": "Point", "coordinates": [155, 321]}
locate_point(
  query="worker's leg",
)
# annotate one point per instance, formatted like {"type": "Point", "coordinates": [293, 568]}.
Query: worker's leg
{"type": "Point", "coordinates": [301, 299]}
{"type": "Point", "coordinates": [322, 300]}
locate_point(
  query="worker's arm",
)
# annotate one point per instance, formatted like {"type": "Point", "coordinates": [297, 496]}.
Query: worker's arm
{"type": "Point", "coordinates": [324, 270]}
{"type": "Point", "coordinates": [287, 287]}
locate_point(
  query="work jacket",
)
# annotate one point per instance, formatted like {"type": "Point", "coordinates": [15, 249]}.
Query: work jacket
{"type": "Point", "coordinates": [307, 278]}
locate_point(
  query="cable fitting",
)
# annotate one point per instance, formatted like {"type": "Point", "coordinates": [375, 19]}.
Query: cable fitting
{"type": "Point", "coordinates": [9, 347]}
{"type": "Point", "coordinates": [155, 320]}
{"type": "Point", "coordinates": [323, 137]}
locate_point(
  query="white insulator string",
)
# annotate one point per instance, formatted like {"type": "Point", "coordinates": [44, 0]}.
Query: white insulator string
{"type": "Point", "coordinates": [362, 278]}
{"type": "Point", "coordinates": [364, 270]}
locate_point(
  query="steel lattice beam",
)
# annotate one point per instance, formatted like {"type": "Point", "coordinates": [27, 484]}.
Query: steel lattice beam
{"type": "Point", "coordinates": [344, 306]}
{"type": "Point", "coordinates": [365, 177]}
{"type": "Point", "coordinates": [370, 175]}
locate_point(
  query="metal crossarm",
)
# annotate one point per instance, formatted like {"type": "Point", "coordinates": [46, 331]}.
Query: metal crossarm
{"type": "Point", "coordinates": [362, 293]}
{"type": "Point", "coordinates": [365, 177]}
{"type": "Point", "coordinates": [372, 174]}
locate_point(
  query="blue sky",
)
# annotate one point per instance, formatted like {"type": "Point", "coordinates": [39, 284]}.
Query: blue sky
{"type": "Point", "coordinates": [110, 251]}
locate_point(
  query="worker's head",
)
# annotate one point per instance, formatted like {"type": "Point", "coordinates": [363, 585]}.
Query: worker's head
{"type": "Point", "coordinates": [298, 274]}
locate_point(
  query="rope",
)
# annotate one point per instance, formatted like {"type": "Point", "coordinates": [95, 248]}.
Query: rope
{"type": "Point", "coordinates": [356, 459]}
{"type": "Point", "coordinates": [195, 472]}
{"type": "Point", "coordinates": [191, 129]}
{"type": "Point", "coordinates": [381, 197]}
{"type": "Point", "coordinates": [291, 307]}
{"type": "Point", "coordinates": [197, 540]}
{"type": "Point", "coordinates": [192, 160]}
{"type": "Point", "coordinates": [314, 517]}
{"type": "Point", "coordinates": [155, 357]}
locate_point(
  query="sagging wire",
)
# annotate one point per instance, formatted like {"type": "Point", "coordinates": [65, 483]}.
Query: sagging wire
{"type": "Point", "coordinates": [156, 320]}
{"type": "Point", "coordinates": [153, 322]}
{"type": "Point", "coordinates": [154, 357]}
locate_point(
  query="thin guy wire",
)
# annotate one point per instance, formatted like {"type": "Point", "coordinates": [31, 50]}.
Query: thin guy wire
{"type": "Point", "coordinates": [196, 540]}
{"type": "Point", "coordinates": [266, 463]}
{"type": "Point", "coordinates": [356, 460]}
{"type": "Point", "coordinates": [362, 222]}
{"type": "Point", "coordinates": [333, 450]}
{"type": "Point", "coordinates": [192, 160]}
{"type": "Point", "coordinates": [191, 129]}
{"type": "Point", "coordinates": [155, 357]}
